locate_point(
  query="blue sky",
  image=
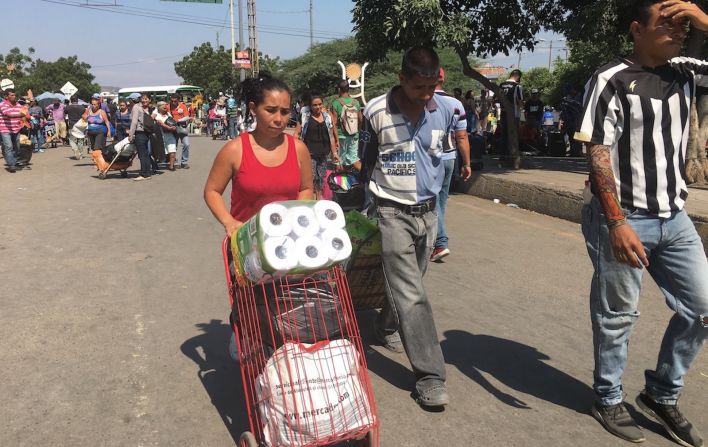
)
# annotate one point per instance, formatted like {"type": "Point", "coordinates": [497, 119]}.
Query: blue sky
{"type": "Point", "coordinates": [125, 49]}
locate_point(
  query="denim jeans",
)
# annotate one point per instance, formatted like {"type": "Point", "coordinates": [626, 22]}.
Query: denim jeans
{"type": "Point", "coordinates": [233, 128]}
{"type": "Point", "coordinates": [185, 147]}
{"type": "Point", "coordinates": [441, 240]}
{"type": "Point", "coordinates": [10, 148]}
{"type": "Point", "coordinates": [677, 263]}
{"type": "Point", "coordinates": [141, 143]}
{"type": "Point", "coordinates": [37, 138]}
{"type": "Point", "coordinates": [406, 245]}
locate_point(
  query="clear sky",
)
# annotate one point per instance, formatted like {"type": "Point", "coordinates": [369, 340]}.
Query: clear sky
{"type": "Point", "coordinates": [137, 42]}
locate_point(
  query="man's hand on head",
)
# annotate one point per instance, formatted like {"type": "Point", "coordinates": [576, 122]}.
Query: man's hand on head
{"type": "Point", "coordinates": [680, 9]}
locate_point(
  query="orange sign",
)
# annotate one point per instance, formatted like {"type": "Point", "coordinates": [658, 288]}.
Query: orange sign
{"type": "Point", "coordinates": [243, 60]}
{"type": "Point", "coordinates": [491, 72]}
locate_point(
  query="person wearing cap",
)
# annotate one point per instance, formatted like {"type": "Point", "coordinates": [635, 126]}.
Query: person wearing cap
{"type": "Point", "coordinates": [455, 139]}
{"type": "Point", "coordinates": [57, 111]}
{"type": "Point", "coordinates": [182, 116]}
{"type": "Point", "coordinates": [77, 135]}
{"type": "Point", "coordinates": [533, 110]}
{"type": "Point", "coordinates": [168, 126]}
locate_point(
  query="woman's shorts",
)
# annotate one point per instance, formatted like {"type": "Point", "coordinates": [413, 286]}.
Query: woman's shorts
{"type": "Point", "coordinates": [170, 141]}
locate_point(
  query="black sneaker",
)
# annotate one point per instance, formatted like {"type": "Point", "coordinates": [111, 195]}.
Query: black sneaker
{"type": "Point", "coordinates": [617, 420]}
{"type": "Point", "coordinates": [673, 421]}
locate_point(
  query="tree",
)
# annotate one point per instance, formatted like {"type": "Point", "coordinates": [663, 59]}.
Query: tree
{"type": "Point", "coordinates": [211, 68]}
{"type": "Point", "coordinates": [14, 64]}
{"type": "Point", "coordinates": [51, 76]}
{"type": "Point", "coordinates": [470, 27]}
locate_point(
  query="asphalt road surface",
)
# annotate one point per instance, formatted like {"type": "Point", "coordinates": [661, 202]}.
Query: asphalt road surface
{"type": "Point", "coordinates": [113, 322]}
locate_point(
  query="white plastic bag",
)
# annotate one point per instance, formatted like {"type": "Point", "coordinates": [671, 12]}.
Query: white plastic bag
{"type": "Point", "coordinates": [309, 392]}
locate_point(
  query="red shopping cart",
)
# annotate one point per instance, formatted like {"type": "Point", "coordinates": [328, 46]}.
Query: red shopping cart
{"type": "Point", "coordinates": [302, 363]}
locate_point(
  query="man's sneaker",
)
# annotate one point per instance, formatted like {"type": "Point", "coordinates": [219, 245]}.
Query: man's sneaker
{"type": "Point", "coordinates": [617, 420]}
{"type": "Point", "coordinates": [673, 421]}
{"type": "Point", "coordinates": [434, 397]}
{"type": "Point", "coordinates": [392, 342]}
{"type": "Point", "coordinates": [185, 166]}
{"type": "Point", "coordinates": [140, 178]}
{"type": "Point", "coordinates": [439, 253]}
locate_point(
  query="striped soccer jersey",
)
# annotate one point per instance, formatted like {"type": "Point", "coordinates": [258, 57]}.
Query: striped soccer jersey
{"type": "Point", "coordinates": [643, 115]}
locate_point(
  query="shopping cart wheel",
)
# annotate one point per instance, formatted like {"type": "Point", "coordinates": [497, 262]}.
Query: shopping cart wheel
{"type": "Point", "coordinates": [102, 175]}
{"type": "Point", "coordinates": [124, 174]}
{"type": "Point", "coordinates": [247, 440]}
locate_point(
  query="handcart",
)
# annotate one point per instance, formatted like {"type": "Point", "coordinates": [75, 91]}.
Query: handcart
{"type": "Point", "coordinates": [302, 362]}
{"type": "Point", "coordinates": [121, 159]}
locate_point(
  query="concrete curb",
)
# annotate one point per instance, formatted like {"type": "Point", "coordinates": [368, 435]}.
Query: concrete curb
{"type": "Point", "coordinates": [541, 199]}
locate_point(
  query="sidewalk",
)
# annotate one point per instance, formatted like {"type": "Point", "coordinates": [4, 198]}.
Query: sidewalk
{"type": "Point", "coordinates": [554, 187]}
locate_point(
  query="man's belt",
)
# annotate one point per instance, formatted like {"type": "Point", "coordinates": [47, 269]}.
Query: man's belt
{"type": "Point", "coordinates": [417, 209]}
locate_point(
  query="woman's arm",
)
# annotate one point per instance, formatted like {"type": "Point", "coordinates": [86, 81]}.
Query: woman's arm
{"type": "Point", "coordinates": [108, 123]}
{"type": "Point", "coordinates": [303, 159]}
{"type": "Point", "coordinates": [134, 113]}
{"type": "Point", "coordinates": [222, 171]}
{"type": "Point", "coordinates": [298, 129]}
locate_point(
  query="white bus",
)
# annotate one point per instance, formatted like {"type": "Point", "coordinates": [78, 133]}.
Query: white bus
{"type": "Point", "coordinates": [163, 92]}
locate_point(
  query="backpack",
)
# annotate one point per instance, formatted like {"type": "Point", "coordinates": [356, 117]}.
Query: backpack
{"type": "Point", "coordinates": [349, 117]}
{"type": "Point", "coordinates": [149, 124]}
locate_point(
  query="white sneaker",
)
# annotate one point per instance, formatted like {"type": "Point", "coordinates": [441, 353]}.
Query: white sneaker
{"type": "Point", "coordinates": [141, 178]}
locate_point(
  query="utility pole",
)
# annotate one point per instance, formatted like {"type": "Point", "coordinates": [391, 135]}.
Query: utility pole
{"type": "Point", "coordinates": [312, 39]}
{"type": "Point", "coordinates": [550, 54]}
{"type": "Point", "coordinates": [217, 41]}
{"type": "Point", "coordinates": [242, 77]}
{"type": "Point", "coordinates": [518, 64]}
{"type": "Point", "coordinates": [233, 40]}
{"type": "Point", "coordinates": [252, 36]}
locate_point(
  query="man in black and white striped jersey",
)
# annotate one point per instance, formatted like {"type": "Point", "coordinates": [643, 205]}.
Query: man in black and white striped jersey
{"type": "Point", "coordinates": [635, 124]}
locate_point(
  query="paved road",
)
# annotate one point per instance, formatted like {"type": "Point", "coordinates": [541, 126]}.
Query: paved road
{"type": "Point", "coordinates": [113, 303]}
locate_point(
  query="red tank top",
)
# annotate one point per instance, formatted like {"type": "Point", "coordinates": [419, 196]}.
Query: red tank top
{"type": "Point", "coordinates": [256, 185]}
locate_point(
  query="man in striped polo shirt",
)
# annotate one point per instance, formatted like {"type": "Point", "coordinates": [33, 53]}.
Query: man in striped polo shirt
{"type": "Point", "coordinates": [635, 124]}
{"type": "Point", "coordinates": [11, 115]}
{"type": "Point", "coordinates": [402, 154]}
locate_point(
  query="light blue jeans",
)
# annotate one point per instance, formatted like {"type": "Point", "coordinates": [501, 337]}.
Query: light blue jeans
{"type": "Point", "coordinates": [677, 263]}
{"type": "Point", "coordinates": [185, 147]}
{"type": "Point", "coordinates": [10, 148]}
{"type": "Point", "coordinates": [441, 240]}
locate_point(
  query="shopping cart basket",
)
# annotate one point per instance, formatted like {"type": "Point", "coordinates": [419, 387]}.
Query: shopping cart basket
{"type": "Point", "coordinates": [302, 363]}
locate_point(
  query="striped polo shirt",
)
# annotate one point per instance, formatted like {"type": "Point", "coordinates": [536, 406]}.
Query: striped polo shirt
{"type": "Point", "coordinates": [643, 115]}
{"type": "Point", "coordinates": [406, 159]}
{"type": "Point", "coordinates": [8, 124]}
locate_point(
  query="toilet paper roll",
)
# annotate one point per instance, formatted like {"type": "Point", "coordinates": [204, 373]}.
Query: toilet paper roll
{"type": "Point", "coordinates": [311, 254]}
{"type": "Point", "coordinates": [280, 253]}
{"type": "Point", "coordinates": [253, 268]}
{"type": "Point", "coordinates": [273, 220]}
{"type": "Point", "coordinates": [303, 221]}
{"type": "Point", "coordinates": [336, 244]}
{"type": "Point", "coordinates": [329, 214]}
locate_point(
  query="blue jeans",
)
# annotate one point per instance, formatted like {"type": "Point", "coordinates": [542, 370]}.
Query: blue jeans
{"type": "Point", "coordinates": [233, 128]}
{"type": "Point", "coordinates": [185, 147]}
{"type": "Point", "coordinates": [406, 242]}
{"type": "Point", "coordinates": [37, 138]}
{"type": "Point", "coordinates": [441, 240]}
{"type": "Point", "coordinates": [677, 263]}
{"type": "Point", "coordinates": [10, 148]}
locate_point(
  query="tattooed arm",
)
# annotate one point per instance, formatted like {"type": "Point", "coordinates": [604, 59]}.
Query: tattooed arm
{"type": "Point", "coordinates": [626, 245]}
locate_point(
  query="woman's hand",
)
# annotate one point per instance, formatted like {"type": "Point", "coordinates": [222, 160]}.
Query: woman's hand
{"type": "Point", "coordinates": [231, 226]}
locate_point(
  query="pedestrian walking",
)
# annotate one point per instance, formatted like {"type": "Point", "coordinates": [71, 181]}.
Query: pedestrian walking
{"type": "Point", "coordinates": [348, 120]}
{"type": "Point", "coordinates": [455, 139]}
{"type": "Point", "coordinates": [511, 88]}
{"type": "Point", "coordinates": [182, 116]}
{"type": "Point", "coordinates": [168, 127]}
{"type": "Point", "coordinates": [56, 110]}
{"type": "Point", "coordinates": [320, 137]}
{"type": "Point", "coordinates": [403, 145]}
{"type": "Point", "coordinates": [635, 125]}
{"type": "Point", "coordinates": [264, 166]}
{"type": "Point", "coordinates": [122, 120]}
{"type": "Point", "coordinates": [74, 113]}
{"type": "Point", "coordinates": [98, 130]}
{"type": "Point", "coordinates": [142, 126]}
{"type": "Point", "coordinates": [12, 113]}
{"type": "Point", "coordinates": [37, 121]}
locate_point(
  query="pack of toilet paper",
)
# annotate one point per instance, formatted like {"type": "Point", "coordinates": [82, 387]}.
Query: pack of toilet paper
{"type": "Point", "coordinates": [290, 237]}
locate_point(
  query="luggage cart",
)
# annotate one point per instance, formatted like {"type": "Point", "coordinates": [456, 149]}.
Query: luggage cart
{"type": "Point", "coordinates": [306, 311]}
{"type": "Point", "coordinates": [120, 162]}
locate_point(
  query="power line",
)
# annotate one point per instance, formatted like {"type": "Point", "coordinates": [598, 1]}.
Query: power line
{"type": "Point", "coordinates": [140, 61]}
{"type": "Point", "coordinates": [132, 11]}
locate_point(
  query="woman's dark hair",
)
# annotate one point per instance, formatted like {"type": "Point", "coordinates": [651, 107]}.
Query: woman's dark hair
{"type": "Point", "coordinates": [253, 89]}
{"type": "Point", "coordinates": [314, 95]}
{"type": "Point", "coordinates": [421, 61]}
{"type": "Point", "coordinates": [469, 94]}
{"type": "Point", "coordinates": [145, 94]}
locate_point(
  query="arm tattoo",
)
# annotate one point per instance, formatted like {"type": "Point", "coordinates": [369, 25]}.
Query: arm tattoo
{"type": "Point", "coordinates": [603, 181]}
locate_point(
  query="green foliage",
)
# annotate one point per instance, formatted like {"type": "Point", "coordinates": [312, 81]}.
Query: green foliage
{"type": "Point", "coordinates": [317, 70]}
{"type": "Point", "coordinates": [542, 79]}
{"type": "Point", "coordinates": [40, 76]}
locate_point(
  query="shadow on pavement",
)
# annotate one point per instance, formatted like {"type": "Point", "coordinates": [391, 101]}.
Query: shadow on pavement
{"type": "Point", "coordinates": [518, 366]}
{"type": "Point", "coordinates": [219, 374]}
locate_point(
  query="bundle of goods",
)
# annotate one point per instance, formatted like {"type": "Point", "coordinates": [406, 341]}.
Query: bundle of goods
{"type": "Point", "coordinates": [364, 268]}
{"type": "Point", "coordinates": [347, 189]}
{"type": "Point", "coordinates": [290, 237]}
